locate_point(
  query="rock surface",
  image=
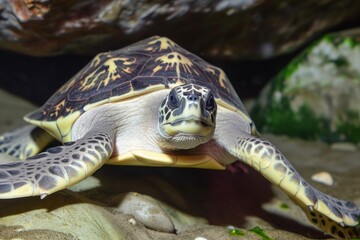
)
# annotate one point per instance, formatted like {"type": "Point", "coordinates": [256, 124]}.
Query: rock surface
{"type": "Point", "coordinates": [233, 29]}
{"type": "Point", "coordinates": [317, 94]}
{"type": "Point", "coordinates": [90, 209]}
{"type": "Point", "coordinates": [144, 209]}
{"type": "Point", "coordinates": [12, 111]}
{"type": "Point", "coordinates": [63, 213]}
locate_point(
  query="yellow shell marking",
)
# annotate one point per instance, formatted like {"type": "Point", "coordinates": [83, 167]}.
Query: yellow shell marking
{"type": "Point", "coordinates": [165, 43]}
{"type": "Point", "coordinates": [58, 108]}
{"type": "Point", "coordinates": [97, 59]}
{"type": "Point", "coordinates": [91, 80]}
{"type": "Point", "coordinates": [156, 69]}
{"type": "Point", "coordinates": [175, 59]}
{"type": "Point", "coordinates": [94, 63]}
{"type": "Point", "coordinates": [222, 77]}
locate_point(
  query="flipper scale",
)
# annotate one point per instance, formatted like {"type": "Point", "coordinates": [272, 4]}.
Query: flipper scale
{"type": "Point", "coordinates": [334, 216]}
{"type": "Point", "coordinates": [24, 142]}
{"type": "Point", "coordinates": [58, 168]}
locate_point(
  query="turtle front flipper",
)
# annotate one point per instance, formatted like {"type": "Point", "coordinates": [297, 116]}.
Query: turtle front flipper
{"type": "Point", "coordinates": [336, 217]}
{"type": "Point", "coordinates": [58, 167]}
{"type": "Point", "coordinates": [24, 142]}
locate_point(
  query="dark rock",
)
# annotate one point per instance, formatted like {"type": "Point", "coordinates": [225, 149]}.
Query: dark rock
{"type": "Point", "coordinates": [218, 29]}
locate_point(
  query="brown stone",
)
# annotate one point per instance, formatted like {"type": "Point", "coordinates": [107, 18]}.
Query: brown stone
{"type": "Point", "coordinates": [218, 29]}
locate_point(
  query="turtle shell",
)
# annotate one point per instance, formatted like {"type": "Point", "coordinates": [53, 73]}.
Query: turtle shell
{"type": "Point", "coordinates": [149, 65]}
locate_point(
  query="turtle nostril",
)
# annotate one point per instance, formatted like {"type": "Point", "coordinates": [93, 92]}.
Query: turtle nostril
{"type": "Point", "coordinates": [193, 97]}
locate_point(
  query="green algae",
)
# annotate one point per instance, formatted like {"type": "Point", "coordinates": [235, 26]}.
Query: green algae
{"type": "Point", "coordinates": [236, 232]}
{"type": "Point", "coordinates": [260, 232]}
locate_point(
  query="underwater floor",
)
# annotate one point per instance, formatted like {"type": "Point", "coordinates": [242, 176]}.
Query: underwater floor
{"type": "Point", "coordinates": [196, 204]}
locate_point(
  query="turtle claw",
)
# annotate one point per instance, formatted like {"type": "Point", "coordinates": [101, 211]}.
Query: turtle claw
{"type": "Point", "coordinates": [311, 208]}
{"type": "Point", "coordinates": [43, 195]}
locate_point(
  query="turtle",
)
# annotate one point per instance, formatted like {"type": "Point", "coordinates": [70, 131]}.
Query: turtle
{"type": "Point", "coordinates": [152, 103]}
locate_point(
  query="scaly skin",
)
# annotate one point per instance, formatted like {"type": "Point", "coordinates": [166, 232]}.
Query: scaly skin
{"type": "Point", "coordinates": [58, 168]}
{"type": "Point", "coordinates": [24, 142]}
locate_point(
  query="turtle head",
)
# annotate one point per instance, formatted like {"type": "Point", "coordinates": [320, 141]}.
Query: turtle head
{"type": "Point", "coordinates": [187, 117]}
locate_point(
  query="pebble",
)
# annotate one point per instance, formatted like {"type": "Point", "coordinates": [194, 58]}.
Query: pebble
{"type": "Point", "coordinates": [132, 221]}
{"type": "Point", "coordinates": [343, 146]}
{"type": "Point", "coordinates": [323, 177]}
{"type": "Point", "coordinates": [146, 210]}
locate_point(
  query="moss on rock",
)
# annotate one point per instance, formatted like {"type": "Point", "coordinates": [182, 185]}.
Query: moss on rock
{"type": "Point", "coordinates": [316, 96]}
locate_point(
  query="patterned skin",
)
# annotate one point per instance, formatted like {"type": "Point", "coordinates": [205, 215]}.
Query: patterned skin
{"type": "Point", "coordinates": [187, 115]}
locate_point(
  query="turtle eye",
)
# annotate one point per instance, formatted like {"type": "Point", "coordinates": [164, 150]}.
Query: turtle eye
{"type": "Point", "coordinates": [210, 103]}
{"type": "Point", "coordinates": [173, 101]}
